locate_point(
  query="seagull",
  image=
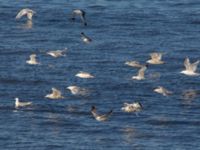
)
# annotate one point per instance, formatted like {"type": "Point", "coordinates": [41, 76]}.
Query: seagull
{"type": "Point", "coordinates": [162, 90]}
{"type": "Point", "coordinates": [81, 13]}
{"type": "Point", "coordinates": [82, 74]}
{"type": "Point", "coordinates": [21, 104]}
{"type": "Point", "coordinates": [100, 117]}
{"type": "Point", "coordinates": [75, 90]}
{"type": "Point", "coordinates": [32, 60]}
{"type": "Point", "coordinates": [134, 107]}
{"type": "Point", "coordinates": [155, 59]}
{"type": "Point", "coordinates": [133, 64]}
{"type": "Point", "coordinates": [56, 53]}
{"type": "Point", "coordinates": [190, 68]}
{"type": "Point", "coordinates": [28, 12]}
{"type": "Point", "coordinates": [56, 94]}
{"type": "Point", "coordinates": [85, 38]}
{"type": "Point", "coordinates": [140, 75]}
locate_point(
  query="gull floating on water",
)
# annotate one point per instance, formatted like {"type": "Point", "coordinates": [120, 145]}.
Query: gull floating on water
{"type": "Point", "coordinates": [85, 38]}
{"type": "Point", "coordinates": [81, 13]}
{"type": "Point", "coordinates": [162, 90]}
{"type": "Point", "coordinates": [28, 12]}
{"type": "Point", "coordinates": [21, 104]}
{"type": "Point", "coordinates": [133, 107]}
{"type": "Point", "coordinates": [134, 64]}
{"type": "Point", "coordinates": [98, 117]}
{"type": "Point", "coordinates": [155, 59]}
{"type": "Point", "coordinates": [56, 94]}
{"type": "Point", "coordinates": [82, 74]}
{"type": "Point", "coordinates": [57, 53]}
{"type": "Point", "coordinates": [32, 60]}
{"type": "Point", "coordinates": [190, 68]}
{"type": "Point", "coordinates": [140, 75]}
{"type": "Point", "coordinates": [75, 90]}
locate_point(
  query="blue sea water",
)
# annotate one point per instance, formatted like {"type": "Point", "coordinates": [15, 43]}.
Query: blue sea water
{"type": "Point", "coordinates": [121, 31]}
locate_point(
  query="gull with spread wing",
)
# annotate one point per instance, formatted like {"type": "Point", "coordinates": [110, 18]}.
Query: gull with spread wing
{"type": "Point", "coordinates": [81, 13]}
{"type": "Point", "coordinates": [75, 90]}
{"type": "Point", "coordinates": [133, 107]}
{"type": "Point", "coordinates": [56, 94]}
{"type": "Point", "coordinates": [162, 90]}
{"type": "Point", "coordinates": [190, 68]}
{"type": "Point", "coordinates": [85, 75]}
{"type": "Point", "coordinates": [32, 60]}
{"type": "Point", "coordinates": [25, 12]}
{"type": "Point", "coordinates": [155, 59]}
{"type": "Point", "coordinates": [134, 64]}
{"type": "Point", "coordinates": [57, 53]}
{"type": "Point", "coordinates": [98, 117]}
{"type": "Point", "coordinates": [140, 75]}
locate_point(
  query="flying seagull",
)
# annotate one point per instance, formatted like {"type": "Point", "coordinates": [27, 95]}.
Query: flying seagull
{"type": "Point", "coordinates": [57, 53]}
{"type": "Point", "coordinates": [140, 75]}
{"type": "Point", "coordinates": [155, 59]}
{"type": "Point", "coordinates": [81, 13]}
{"type": "Point", "coordinates": [133, 107]}
{"type": "Point", "coordinates": [75, 90]}
{"type": "Point", "coordinates": [56, 94]}
{"type": "Point", "coordinates": [25, 12]}
{"type": "Point", "coordinates": [98, 117]}
{"type": "Point", "coordinates": [85, 38]}
{"type": "Point", "coordinates": [82, 74]}
{"type": "Point", "coordinates": [162, 90]}
{"type": "Point", "coordinates": [32, 60]}
{"type": "Point", "coordinates": [190, 68]}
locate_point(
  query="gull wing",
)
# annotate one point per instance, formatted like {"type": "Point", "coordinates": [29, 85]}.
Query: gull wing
{"type": "Point", "coordinates": [33, 57]}
{"type": "Point", "coordinates": [194, 66]}
{"type": "Point", "coordinates": [159, 56]}
{"type": "Point", "coordinates": [22, 13]}
{"type": "Point", "coordinates": [26, 103]}
{"type": "Point", "coordinates": [141, 71]}
{"type": "Point", "coordinates": [133, 64]}
{"type": "Point", "coordinates": [126, 104]}
{"type": "Point", "coordinates": [83, 19]}
{"type": "Point", "coordinates": [187, 64]}
{"type": "Point", "coordinates": [94, 111]}
{"type": "Point", "coordinates": [56, 92]}
{"type": "Point", "coordinates": [107, 114]}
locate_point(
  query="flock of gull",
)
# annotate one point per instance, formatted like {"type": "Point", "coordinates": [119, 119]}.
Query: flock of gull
{"type": "Point", "coordinates": [156, 59]}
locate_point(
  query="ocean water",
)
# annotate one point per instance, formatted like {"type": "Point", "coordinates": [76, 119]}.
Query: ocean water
{"type": "Point", "coordinates": [121, 31]}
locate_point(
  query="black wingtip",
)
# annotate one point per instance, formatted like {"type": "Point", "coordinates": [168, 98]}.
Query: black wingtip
{"type": "Point", "coordinates": [93, 108]}
{"type": "Point", "coordinates": [111, 111]}
{"type": "Point", "coordinates": [140, 105]}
